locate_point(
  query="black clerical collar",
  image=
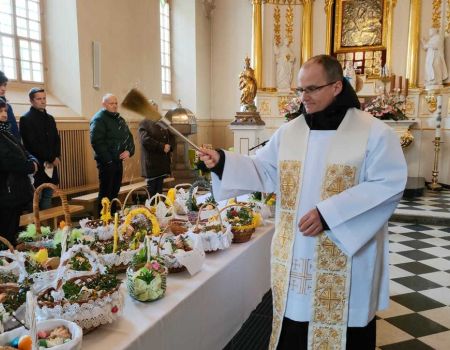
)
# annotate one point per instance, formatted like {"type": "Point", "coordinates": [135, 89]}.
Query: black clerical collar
{"type": "Point", "coordinates": [331, 117]}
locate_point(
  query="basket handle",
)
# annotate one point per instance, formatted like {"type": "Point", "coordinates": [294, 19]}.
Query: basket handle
{"type": "Point", "coordinates": [183, 185]}
{"type": "Point", "coordinates": [7, 243]}
{"type": "Point", "coordinates": [204, 205]}
{"type": "Point", "coordinates": [146, 212]}
{"type": "Point", "coordinates": [64, 203]}
{"type": "Point", "coordinates": [235, 205]}
{"type": "Point", "coordinates": [130, 193]}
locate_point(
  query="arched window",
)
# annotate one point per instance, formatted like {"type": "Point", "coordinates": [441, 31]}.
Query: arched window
{"type": "Point", "coordinates": [166, 70]}
{"type": "Point", "coordinates": [21, 40]}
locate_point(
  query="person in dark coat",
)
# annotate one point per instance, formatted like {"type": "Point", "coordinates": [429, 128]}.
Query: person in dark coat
{"type": "Point", "coordinates": [11, 118]}
{"type": "Point", "coordinates": [113, 143]}
{"type": "Point", "coordinates": [40, 138]}
{"type": "Point", "coordinates": [157, 144]}
{"type": "Point", "coordinates": [16, 191]}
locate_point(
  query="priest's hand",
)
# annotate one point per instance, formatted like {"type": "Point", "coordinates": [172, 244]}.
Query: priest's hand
{"type": "Point", "coordinates": [209, 156]}
{"type": "Point", "coordinates": [310, 224]}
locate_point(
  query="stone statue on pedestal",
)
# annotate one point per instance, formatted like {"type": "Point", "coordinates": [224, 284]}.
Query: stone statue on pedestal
{"type": "Point", "coordinates": [285, 62]}
{"type": "Point", "coordinates": [435, 67]}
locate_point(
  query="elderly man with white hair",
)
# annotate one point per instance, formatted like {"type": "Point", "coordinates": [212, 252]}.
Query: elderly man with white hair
{"type": "Point", "coordinates": [112, 142]}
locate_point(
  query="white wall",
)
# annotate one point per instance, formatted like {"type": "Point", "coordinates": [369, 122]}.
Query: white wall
{"type": "Point", "coordinates": [129, 38]}
{"type": "Point", "coordinates": [61, 42]}
{"type": "Point", "coordinates": [231, 42]}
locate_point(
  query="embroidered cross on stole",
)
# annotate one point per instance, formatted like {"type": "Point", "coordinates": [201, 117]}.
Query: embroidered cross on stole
{"type": "Point", "coordinates": [331, 280]}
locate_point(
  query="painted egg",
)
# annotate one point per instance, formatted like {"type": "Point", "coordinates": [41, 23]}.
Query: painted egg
{"type": "Point", "coordinates": [25, 343]}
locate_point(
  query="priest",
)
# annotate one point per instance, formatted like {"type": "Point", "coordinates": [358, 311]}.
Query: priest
{"type": "Point", "coordinates": [338, 174]}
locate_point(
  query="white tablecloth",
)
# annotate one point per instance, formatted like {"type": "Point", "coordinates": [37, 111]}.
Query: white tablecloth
{"type": "Point", "coordinates": [199, 312]}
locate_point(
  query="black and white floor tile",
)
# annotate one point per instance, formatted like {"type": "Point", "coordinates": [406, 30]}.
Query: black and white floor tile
{"type": "Point", "coordinates": [419, 313]}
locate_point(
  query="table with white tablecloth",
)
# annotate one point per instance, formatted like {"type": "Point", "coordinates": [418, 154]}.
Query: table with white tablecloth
{"type": "Point", "coordinates": [198, 312]}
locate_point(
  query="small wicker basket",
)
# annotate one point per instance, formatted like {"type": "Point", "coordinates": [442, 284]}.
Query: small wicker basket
{"type": "Point", "coordinates": [240, 235]}
{"type": "Point", "coordinates": [35, 246]}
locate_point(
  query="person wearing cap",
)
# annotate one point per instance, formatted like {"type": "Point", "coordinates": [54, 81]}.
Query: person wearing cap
{"type": "Point", "coordinates": [11, 118]}
{"type": "Point", "coordinates": [40, 138]}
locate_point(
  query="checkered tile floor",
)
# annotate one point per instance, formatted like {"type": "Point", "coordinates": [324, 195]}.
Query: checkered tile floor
{"type": "Point", "coordinates": [433, 205]}
{"type": "Point", "coordinates": [419, 314]}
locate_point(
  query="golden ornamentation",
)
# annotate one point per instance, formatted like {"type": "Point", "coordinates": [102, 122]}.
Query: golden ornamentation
{"type": "Point", "coordinates": [282, 102]}
{"type": "Point", "coordinates": [289, 24]}
{"type": "Point", "coordinates": [406, 139]}
{"type": "Point", "coordinates": [257, 40]}
{"type": "Point", "coordinates": [276, 25]}
{"type": "Point", "coordinates": [289, 182]}
{"type": "Point", "coordinates": [390, 24]}
{"type": "Point", "coordinates": [326, 338]}
{"type": "Point", "coordinates": [337, 178]}
{"type": "Point", "coordinates": [248, 87]}
{"type": "Point", "coordinates": [410, 107]}
{"type": "Point", "coordinates": [330, 257]}
{"type": "Point", "coordinates": [276, 324]}
{"type": "Point", "coordinates": [412, 56]}
{"type": "Point", "coordinates": [329, 12]}
{"type": "Point", "coordinates": [447, 18]}
{"type": "Point", "coordinates": [283, 242]}
{"type": "Point", "coordinates": [333, 268]}
{"type": "Point", "coordinates": [329, 298]}
{"type": "Point", "coordinates": [265, 107]}
{"type": "Point", "coordinates": [360, 24]}
{"type": "Point", "coordinates": [306, 43]}
{"type": "Point", "coordinates": [283, 2]}
{"type": "Point", "coordinates": [279, 278]}
{"type": "Point", "coordinates": [436, 14]}
{"type": "Point", "coordinates": [284, 237]}
{"type": "Point", "coordinates": [431, 101]}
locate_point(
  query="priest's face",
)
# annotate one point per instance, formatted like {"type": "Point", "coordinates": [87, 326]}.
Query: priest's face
{"type": "Point", "coordinates": [315, 90]}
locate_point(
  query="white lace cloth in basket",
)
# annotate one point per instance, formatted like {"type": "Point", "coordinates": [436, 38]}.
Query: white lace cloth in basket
{"type": "Point", "coordinates": [88, 315]}
{"type": "Point", "coordinates": [193, 259]}
{"type": "Point", "coordinates": [213, 241]}
{"type": "Point", "coordinates": [102, 232]}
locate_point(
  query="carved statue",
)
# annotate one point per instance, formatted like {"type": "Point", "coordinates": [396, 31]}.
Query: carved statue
{"type": "Point", "coordinates": [248, 87]}
{"type": "Point", "coordinates": [435, 67]}
{"type": "Point", "coordinates": [285, 61]}
{"type": "Point", "coordinates": [349, 74]}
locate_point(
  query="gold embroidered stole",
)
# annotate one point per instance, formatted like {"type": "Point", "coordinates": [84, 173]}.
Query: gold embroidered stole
{"type": "Point", "coordinates": [329, 305]}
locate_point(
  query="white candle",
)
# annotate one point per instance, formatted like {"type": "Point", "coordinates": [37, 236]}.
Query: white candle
{"type": "Point", "coordinates": [437, 133]}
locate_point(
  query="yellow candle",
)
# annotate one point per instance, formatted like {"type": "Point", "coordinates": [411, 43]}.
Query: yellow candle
{"type": "Point", "coordinates": [116, 233]}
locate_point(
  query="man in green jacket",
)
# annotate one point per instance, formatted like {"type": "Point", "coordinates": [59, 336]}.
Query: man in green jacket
{"type": "Point", "coordinates": [112, 142]}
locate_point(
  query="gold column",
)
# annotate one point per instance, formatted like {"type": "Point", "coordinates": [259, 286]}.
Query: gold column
{"type": "Point", "coordinates": [390, 25]}
{"type": "Point", "coordinates": [328, 10]}
{"type": "Point", "coordinates": [257, 40]}
{"type": "Point", "coordinates": [306, 44]}
{"type": "Point", "coordinates": [412, 57]}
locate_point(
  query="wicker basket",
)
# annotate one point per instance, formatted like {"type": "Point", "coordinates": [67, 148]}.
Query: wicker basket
{"type": "Point", "coordinates": [108, 305]}
{"type": "Point", "coordinates": [129, 194]}
{"type": "Point", "coordinates": [178, 226]}
{"type": "Point", "coordinates": [35, 246]}
{"type": "Point", "coordinates": [157, 198]}
{"type": "Point", "coordinates": [131, 281]}
{"type": "Point", "coordinates": [240, 236]}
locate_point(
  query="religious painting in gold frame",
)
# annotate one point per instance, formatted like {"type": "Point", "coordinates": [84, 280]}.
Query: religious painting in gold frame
{"type": "Point", "coordinates": [360, 25]}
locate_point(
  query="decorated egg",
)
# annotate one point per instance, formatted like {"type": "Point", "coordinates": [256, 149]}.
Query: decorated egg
{"type": "Point", "coordinates": [25, 343]}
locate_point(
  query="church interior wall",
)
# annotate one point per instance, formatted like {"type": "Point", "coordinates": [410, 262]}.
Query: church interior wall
{"type": "Point", "coordinates": [208, 55]}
